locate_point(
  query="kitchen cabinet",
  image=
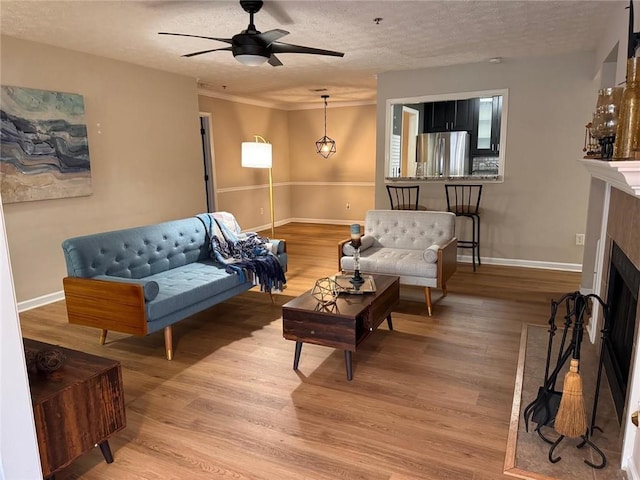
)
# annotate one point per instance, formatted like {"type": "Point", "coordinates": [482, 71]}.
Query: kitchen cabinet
{"type": "Point", "coordinates": [485, 137]}
{"type": "Point", "coordinates": [448, 116]}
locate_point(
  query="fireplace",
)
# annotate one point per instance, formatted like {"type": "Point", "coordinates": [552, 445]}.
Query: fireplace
{"type": "Point", "coordinates": [622, 299]}
{"type": "Point", "coordinates": [614, 217]}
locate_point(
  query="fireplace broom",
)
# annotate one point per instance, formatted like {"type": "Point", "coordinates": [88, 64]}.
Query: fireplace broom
{"type": "Point", "coordinates": [571, 419]}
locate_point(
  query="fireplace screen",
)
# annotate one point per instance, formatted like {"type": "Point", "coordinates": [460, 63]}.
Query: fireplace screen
{"type": "Point", "coordinates": [622, 299]}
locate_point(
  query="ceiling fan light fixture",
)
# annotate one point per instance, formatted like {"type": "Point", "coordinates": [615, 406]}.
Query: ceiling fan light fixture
{"type": "Point", "coordinates": [252, 47]}
{"type": "Point", "coordinates": [326, 146]}
{"type": "Point", "coordinates": [251, 60]}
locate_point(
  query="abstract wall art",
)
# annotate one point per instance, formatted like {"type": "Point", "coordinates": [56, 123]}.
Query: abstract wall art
{"type": "Point", "coordinates": [44, 152]}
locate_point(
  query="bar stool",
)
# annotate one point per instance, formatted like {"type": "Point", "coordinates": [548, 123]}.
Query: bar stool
{"type": "Point", "coordinates": [404, 198]}
{"type": "Point", "coordinates": [464, 201]}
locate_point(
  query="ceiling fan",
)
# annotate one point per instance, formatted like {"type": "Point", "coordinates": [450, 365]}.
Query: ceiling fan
{"type": "Point", "coordinates": [252, 47]}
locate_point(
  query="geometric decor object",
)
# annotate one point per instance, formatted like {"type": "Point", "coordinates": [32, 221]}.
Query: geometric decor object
{"type": "Point", "coordinates": [44, 151]}
{"type": "Point", "coordinates": [325, 292]}
{"type": "Point", "coordinates": [325, 146]}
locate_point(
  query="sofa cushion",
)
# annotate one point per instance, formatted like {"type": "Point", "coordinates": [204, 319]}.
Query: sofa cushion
{"type": "Point", "coordinates": [137, 252]}
{"type": "Point", "coordinates": [187, 285]}
{"type": "Point", "coordinates": [392, 261]}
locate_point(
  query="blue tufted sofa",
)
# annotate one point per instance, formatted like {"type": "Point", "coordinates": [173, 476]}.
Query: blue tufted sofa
{"type": "Point", "coordinates": [144, 279]}
{"type": "Point", "coordinates": [418, 246]}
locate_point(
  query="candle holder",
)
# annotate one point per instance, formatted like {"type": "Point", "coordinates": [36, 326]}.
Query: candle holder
{"type": "Point", "coordinates": [356, 241]}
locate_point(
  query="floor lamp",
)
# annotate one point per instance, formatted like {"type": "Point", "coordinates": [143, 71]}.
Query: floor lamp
{"type": "Point", "coordinates": [258, 154]}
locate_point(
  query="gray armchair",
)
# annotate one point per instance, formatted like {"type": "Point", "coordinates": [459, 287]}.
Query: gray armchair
{"type": "Point", "coordinates": [417, 246]}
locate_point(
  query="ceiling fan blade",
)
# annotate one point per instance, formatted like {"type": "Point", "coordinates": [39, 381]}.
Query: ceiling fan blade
{"type": "Point", "coordinates": [274, 61]}
{"type": "Point", "coordinates": [288, 48]}
{"type": "Point", "coordinates": [271, 36]}
{"type": "Point", "coordinates": [225, 40]}
{"type": "Point", "coordinates": [206, 51]}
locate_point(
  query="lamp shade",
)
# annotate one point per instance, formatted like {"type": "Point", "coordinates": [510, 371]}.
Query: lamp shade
{"type": "Point", "coordinates": [256, 155]}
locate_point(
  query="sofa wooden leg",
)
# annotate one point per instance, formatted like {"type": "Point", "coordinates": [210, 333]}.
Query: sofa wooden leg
{"type": "Point", "coordinates": [168, 342]}
{"type": "Point", "coordinates": [427, 297]}
{"type": "Point", "coordinates": [273, 300]}
{"type": "Point", "coordinates": [103, 336]}
{"type": "Point", "coordinates": [444, 290]}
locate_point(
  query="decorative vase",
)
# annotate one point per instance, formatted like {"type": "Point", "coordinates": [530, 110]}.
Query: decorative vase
{"type": "Point", "coordinates": [627, 143]}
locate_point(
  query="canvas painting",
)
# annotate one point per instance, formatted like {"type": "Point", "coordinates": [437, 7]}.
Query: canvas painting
{"type": "Point", "coordinates": [44, 152]}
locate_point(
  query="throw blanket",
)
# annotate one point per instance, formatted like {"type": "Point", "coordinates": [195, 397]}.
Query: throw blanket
{"type": "Point", "coordinates": [247, 256]}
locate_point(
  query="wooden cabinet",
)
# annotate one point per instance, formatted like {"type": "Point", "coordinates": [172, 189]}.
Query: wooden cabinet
{"type": "Point", "coordinates": [75, 408]}
{"type": "Point", "coordinates": [485, 137]}
{"type": "Point", "coordinates": [449, 116]}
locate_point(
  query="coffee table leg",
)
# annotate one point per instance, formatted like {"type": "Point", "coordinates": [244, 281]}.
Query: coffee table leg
{"type": "Point", "coordinates": [296, 357]}
{"type": "Point", "coordinates": [347, 362]}
{"type": "Point", "coordinates": [389, 322]}
{"type": "Point", "coordinates": [106, 451]}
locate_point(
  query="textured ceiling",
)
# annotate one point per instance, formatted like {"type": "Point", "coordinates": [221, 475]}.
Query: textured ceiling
{"type": "Point", "coordinates": [412, 34]}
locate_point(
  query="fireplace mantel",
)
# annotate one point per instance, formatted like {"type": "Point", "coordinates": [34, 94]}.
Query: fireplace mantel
{"type": "Point", "coordinates": [623, 175]}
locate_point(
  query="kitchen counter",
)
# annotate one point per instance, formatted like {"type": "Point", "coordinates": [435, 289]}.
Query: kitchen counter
{"type": "Point", "coordinates": [459, 178]}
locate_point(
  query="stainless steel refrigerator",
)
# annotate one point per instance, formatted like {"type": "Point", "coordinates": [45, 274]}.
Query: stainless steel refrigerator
{"type": "Point", "coordinates": [443, 154]}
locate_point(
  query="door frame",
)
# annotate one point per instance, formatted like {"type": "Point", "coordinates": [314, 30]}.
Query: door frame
{"type": "Point", "coordinates": [209, 164]}
{"type": "Point", "coordinates": [409, 140]}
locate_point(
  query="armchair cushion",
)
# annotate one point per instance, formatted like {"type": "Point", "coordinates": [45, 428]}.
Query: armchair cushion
{"type": "Point", "coordinates": [394, 261]}
{"type": "Point", "coordinates": [430, 255]}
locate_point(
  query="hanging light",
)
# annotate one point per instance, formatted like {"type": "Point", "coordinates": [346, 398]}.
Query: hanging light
{"type": "Point", "coordinates": [325, 146]}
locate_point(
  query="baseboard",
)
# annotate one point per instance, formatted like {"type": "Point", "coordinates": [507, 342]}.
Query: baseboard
{"type": "Point", "coordinates": [325, 221]}
{"type": "Point", "coordinates": [265, 227]}
{"type": "Point", "coordinates": [40, 301]}
{"type": "Point", "coordinates": [512, 262]}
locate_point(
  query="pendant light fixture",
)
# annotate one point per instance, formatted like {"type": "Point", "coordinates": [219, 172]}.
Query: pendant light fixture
{"type": "Point", "coordinates": [325, 146]}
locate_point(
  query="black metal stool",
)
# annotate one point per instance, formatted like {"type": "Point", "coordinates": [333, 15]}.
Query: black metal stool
{"type": "Point", "coordinates": [464, 201]}
{"type": "Point", "coordinates": [404, 198]}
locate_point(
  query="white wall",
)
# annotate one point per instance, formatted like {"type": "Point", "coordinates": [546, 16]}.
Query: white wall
{"type": "Point", "coordinates": [535, 214]}
{"type": "Point", "coordinates": [19, 458]}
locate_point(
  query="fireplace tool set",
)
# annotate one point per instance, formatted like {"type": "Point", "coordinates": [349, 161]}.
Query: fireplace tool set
{"type": "Point", "coordinates": [549, 409]}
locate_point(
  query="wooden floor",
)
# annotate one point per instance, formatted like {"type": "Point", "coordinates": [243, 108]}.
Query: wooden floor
{"type": "Point", "coordinates": [430, 400]}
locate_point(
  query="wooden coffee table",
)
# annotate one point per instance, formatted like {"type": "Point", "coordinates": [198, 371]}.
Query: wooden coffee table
{"type": "Point", "coordinates": [354, 319]}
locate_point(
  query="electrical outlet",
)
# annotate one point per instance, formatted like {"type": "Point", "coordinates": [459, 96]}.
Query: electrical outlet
{"type": "Point", "coordinates": [348, 205]}
{"type": "Point", "coordinates": [579, 238]}
{"type": "Point", "coordinates": [261, 211]}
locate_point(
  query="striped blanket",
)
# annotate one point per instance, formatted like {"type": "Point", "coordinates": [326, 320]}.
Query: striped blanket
{"type": "Point", "coordinates": [246, 255]}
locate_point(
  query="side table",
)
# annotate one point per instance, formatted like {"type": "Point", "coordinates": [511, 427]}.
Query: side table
{"type": "Point", "coordinates": [75, 408]}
